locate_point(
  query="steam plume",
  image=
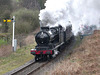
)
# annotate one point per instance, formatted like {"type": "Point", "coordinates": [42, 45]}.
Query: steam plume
{"type": "Point", "coordinates": [77, 11]}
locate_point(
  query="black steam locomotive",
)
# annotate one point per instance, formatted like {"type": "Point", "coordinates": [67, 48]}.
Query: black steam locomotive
{"type": "Point", "coordinates": [50, 40]}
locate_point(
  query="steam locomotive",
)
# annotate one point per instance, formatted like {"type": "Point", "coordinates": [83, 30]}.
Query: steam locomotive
{"type": "Point", "coordinates": [50, 40]}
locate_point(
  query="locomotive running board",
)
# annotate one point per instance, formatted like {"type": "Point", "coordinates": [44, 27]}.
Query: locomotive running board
{"type": "Point", "coordinates": [58, 45]}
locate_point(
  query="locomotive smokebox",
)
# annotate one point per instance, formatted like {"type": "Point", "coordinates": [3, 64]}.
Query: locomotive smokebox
{"type": "Point", "coordinates": [42, 38]}
{"type": "Point", "coordinates": [47, 35]}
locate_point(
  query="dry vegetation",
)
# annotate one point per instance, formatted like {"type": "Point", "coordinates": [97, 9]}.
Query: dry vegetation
{"type": "Point", "coordinates": [30, 39]}
{"type": "Point", "coordinates": [85, 60]}
{"type": "Point", "coordinates": [5, 50]}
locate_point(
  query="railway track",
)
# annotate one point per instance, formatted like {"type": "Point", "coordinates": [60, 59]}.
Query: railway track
{"type": "Point", "coordinates": [42, 65]}
{"type": "Point", "coordinates": [27, 69]}
{"type": "Point", "coordinates": [30, 67]}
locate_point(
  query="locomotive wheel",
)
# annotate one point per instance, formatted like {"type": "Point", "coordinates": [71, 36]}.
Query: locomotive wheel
{"type": "Point", "coordinates": [44, 57]}
{"type": "Point", "coordinates": [50, 56]}
{"type": "Point", "coordinates": [36, 58]}
{"type": "Point", "coordinates": [59, 49]}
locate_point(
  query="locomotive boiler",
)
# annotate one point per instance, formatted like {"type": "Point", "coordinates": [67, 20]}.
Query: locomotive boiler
{"type": "Point", "coordinates": [49, 41]}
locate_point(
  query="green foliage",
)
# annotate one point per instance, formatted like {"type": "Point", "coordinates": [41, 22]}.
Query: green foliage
{"type": "Point", "coordinates": [4, 34]}
{"type": "Point", "coordinates": [78, 41]}
{"type": "Point", "coordinates": [3, 42]}
{"type": "Point", "coordinates": [5, 11]}
{"type": "Point", "coordinates": [32, 4]}
{"type": "Point", "coordinates": [16, 5]}
{"type": "Point", "coordinates": [26, 12]}
{"type": "Point", "coordinates": [41, 3]}
{"type": "Point", "coordinates": [5, 8]}
{"type": "Point", "coordinates": [26, 21]}
{"type": "Point", "coordinates": [5, 38]}
{"type": "Point", "coordinates": [29, 4]}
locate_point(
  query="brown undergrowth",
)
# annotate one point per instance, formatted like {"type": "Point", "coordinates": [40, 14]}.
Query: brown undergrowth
{"type": "Point", "coordinates": [5, 50]}
{"type": "Point", "coordinates": [85, 60]}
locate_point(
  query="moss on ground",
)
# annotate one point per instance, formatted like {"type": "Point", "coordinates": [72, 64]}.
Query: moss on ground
{"type": "Point", "coordinates": [16, 59]}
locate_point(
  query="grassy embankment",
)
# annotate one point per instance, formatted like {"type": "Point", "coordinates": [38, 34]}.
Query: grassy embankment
{"type": "Point", "coordinates": [85, 59]}
{"type": "Point", "coordinates": [16, 59]}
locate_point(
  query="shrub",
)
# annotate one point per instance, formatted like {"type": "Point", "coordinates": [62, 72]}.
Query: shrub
{"type": "Point", "coordinates": [26, 20]}
{"type": "Point", "coordinates": [3, 42]}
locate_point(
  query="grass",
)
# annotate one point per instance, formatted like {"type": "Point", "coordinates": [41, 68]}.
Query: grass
{"type": "Point", "coordinates": [3, 42]}
{"type": "Point", "coordinates": [16, 59]}
{"type": "Point", "coordinates": [78, 41]}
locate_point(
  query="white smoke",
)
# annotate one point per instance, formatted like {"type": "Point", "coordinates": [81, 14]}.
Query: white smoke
{"type": "Point", "coordinates": [79, 12]}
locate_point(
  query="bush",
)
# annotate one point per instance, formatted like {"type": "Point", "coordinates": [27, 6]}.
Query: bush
{"type": "Point", "coordinates": [3, 42]}
{"type": "Point", "coordinates": [41, 3]}
{"type": "Point", "coordinates": [26, 21]}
